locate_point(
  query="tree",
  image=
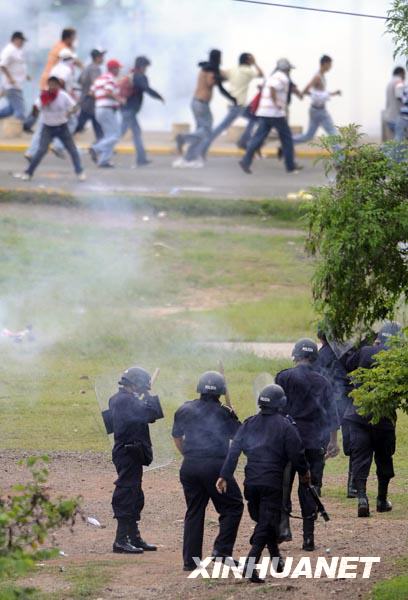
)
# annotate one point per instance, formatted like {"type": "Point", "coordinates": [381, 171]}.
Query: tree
{"type": "Point", "coordinates": [27, 516]}
{"type": "Point", "coordinates": [397, 26]}
{"type": "Point", "coordinates": [383, 389]}
{"type": "Point", "coordinates": [358, 229]}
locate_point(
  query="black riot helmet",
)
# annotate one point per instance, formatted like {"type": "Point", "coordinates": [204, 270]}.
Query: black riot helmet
{"type": "Point", "coordinates": [272, 398]}
{"type": "Point", "coordinates": [305, 349]}
{"type": "Point", "coordinates": [137, 377]}
{"type": "Point", "coordinates": [211, 383]}
{"type": "Point", "coordinates": [388, 329]}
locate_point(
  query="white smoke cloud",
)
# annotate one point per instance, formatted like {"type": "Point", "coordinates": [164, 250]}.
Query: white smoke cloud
{"type": "Point", "coordinates": [176, 34]}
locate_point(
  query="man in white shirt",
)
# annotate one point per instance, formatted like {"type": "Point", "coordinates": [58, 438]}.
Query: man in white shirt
{"type": "Point", "coordinates": [393, 95]}
{"type": "Point", "coordinates": [239, 79]}
{"type": "Point", "coordinates": [271, 114]}
{"type": "Point", "coordinates": [64, 70]}
{"type": "Point", "coordinates": [107, 102]}
{"type": "Point", "coordinates": [318, 114]}
{"type": "Point", "coordinates": [56, 108]}
{"type": "Point", "coordinates": [14, 70]}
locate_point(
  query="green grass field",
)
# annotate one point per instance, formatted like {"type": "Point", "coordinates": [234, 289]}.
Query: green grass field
{"type": "Point", "coordinates": [102, 297]}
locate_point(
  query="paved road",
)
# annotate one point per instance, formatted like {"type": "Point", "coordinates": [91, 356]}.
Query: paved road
{"type": "Point", "coordinates": [221, 177]}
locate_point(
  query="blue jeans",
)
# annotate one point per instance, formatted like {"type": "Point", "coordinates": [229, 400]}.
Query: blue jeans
{"type": "Point", "coordinates": [109, 121]}
{"type": "Point", "coordinates": [57, 145]}
{"type": "Point", "coordinates": [83, 118]}
{"type": "Point", "coordinates": [129, 120]}
{"type": "Point", "coordinates": [15, 105]}
{"type": "Point", "coordinates": [318, 117]}
{"type": "Point", "coordinates": [246, 136]}
{"type": "Point", "coordinates": [399, 152]}
{"type": "Point", "coordinates": [233, 113]}
{"type": "Point", "coordinates": [199, 139]}
{"type": "Point", "coordinates": [62, 133]}
{"type": "Point", "coordinates": [401, 128]}
{"type": "Point", "coordinates": [262, 132]}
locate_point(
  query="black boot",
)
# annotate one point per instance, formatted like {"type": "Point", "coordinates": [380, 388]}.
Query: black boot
{"type": "Point", "coordinates": [136, 539]}
{"type": "Point", "coordinates": [122, 543]}
{"type": "Point", "coordinates": [383, 505]}
{"type": "Point", "coordinates": [285, 534]}
{"type": "Point", "coordinates": [351, 488]}
{"type": "Point", "coordinates": [308, 535]}
{"type": "Point", "coordinates": [363, 507]}
{"type": "Point", "coordinates": [275, 554]}
{"type": "Point", "coordinates": [254, 577]}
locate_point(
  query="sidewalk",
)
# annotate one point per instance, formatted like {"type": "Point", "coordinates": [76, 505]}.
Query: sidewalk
{"type": "Point", "coordinates": [162, 143]}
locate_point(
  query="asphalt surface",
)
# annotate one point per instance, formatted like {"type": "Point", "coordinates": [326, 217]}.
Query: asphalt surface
{"type": "Point", "coordinates": [221, 177]}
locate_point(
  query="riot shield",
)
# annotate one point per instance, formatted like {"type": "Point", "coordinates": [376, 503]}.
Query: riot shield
{"type": "Point", "coordinates": [106, 385]}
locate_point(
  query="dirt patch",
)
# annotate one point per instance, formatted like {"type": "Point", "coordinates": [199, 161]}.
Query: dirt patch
{"type": "Point", "coordinates": [158, 576]}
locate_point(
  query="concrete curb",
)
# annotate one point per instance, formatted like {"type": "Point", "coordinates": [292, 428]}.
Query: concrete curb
{"type": "Point", "coordinates": [168, 150]}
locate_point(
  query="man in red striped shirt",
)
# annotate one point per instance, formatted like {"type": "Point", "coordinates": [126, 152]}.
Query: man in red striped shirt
{"type": "Point", "coordinates": [107, 102]}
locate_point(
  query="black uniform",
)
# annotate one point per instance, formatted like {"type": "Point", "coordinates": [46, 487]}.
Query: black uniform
{"type": "Point", "coordinates": [329, 366]}
{"type": "Point", "coordinates": [132, 449]}
{"type": "Point", "coordinates": [310, 403]}
{"type": "Point", "coordinates": [269, 440]}
{"type": "Point", "coordinates": [368, 440]}
{"type": "Point", "coordinates": [207, 427]}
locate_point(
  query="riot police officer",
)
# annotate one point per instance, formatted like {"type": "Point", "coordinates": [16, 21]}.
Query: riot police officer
{"type": "Point", "coordinates": [328, 365]}
{"type": "Point", "coordinates": [131, 409]}
{"type": "Point", "coordinates": [269, 440]}
{"type": "Point", "coordinates": [311, 405]}
{"type": "Point", "coordinates": [369, 440]}
{"type": "Point", "coordinates": [202, 432]}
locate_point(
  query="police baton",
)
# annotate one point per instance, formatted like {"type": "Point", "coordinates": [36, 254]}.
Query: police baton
{"type": "Point", "coordinates": [319, 504]}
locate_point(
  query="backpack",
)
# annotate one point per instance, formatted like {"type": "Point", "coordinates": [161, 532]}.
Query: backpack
{"type": "Point", "coordinates": [126, 89]}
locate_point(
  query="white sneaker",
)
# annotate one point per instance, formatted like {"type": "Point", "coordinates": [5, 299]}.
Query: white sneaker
{"type": "Point", "coordinates": [182, 163]}
{"type": "Point", "coordinates": [82, 177]}
{"type": "Point", "coordinates": [179, 162]}
{"type": "Point", "coordinates": [197, 164]}
{"type": "Point", "coordinates": [24, 176]}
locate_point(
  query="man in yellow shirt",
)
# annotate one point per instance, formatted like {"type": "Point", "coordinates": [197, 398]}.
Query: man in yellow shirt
{"type": "Point", "coordinates": [239, 78]}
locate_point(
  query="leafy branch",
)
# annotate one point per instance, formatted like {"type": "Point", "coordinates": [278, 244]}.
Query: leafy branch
{"type": "Point", "coordinates": [383, 389]}
{"type": "Point", "coordinates": [27, 516]}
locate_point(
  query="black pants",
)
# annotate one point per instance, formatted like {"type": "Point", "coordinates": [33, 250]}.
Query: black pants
{"type": "Point", "coordinates": [315, 458]}
{"type": "Point", "coordinates": [83, 118]}
{"type": "Point", "coordinates": [128, 497]}
{"type": "Point", "coordinates": [48, 133]}
{"type": "Point", "coordinates": [264, 507]}
{"type": "Point", "coordinates": [368, 441]}
{"type": "Point", "coordinates": [198, 478]}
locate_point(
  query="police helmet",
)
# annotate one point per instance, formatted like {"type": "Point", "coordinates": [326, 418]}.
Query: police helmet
{"type": "Point", "coordinates": [211, 382]}
{"type": "Point", "coordinates": [305, 348]}
{"type": "Point", "coordinates": [273, 397]}
{"type": "Point", "coordinates": [137, 377]}
{"type": "Point", "coordinates": [388, 329]}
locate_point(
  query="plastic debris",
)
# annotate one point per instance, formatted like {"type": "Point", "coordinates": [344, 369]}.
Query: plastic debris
{"type": "Point", "coordinates": [19, 336]}
{"type": "Point", "coordinates": [62, 553]}
{"type": "Point", "coordinates": [93, 521]}
{"type": "Point", "coordinates": [145, 218]}
{"type": "Point", "coordinates": [162, 214]}
{"type": "Point", "coordinates": [300, 195]}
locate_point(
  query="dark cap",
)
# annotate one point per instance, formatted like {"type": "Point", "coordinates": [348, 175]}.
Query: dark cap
{"type": "Point", "coordinates": [141, 61]}
{"type": "Point", "coordinates": [97, 52]}
{"type": "Point", "coordinates": [18, 35]}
